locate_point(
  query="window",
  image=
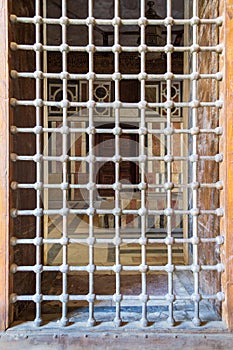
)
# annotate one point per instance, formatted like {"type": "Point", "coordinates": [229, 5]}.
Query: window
{"type": "Point", "coordinates": [131, 238]}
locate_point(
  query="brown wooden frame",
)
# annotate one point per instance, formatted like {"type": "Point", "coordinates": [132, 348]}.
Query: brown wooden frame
{"type": "Point", "coordinates": [227, 167]}
{"type": "Point", "coordinates": [4, 166]}
{"type": "Point", "coordinates": [138, 339]}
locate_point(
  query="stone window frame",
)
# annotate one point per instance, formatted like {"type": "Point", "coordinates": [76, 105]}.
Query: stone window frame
{"type": "Point", "coordinates": [226, 8]}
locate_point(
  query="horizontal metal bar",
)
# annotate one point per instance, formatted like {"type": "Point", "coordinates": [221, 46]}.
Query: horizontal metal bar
{"type": "Point", "coordinates": [61, 48]}
{"type": "Point", "coordinates": [218, 267]}
{"type": "Point", "coordinates": [70, 241]}
{"type": "Point", "coordinates": [116, 211]}
{"type": "Point", "coordinates": [43, 298]}
{"type": "Point", "coordinates": [192, 104]}
{"type": "Point", "coordinates": [70, 21]}
{"type": "Point", "coordinates": [149, 77]}
{"type": "Point", "coordinates": [70, 130]}
{"type": "Point", "coordinates": [38, 158]}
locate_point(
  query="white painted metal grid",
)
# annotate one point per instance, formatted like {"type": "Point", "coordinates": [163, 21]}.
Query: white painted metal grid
{"type": "Point", "coordinates": [65, 212]}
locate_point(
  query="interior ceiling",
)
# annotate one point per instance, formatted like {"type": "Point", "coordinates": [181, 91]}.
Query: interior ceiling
{"type": "Point", "coordinates": [104, 8]}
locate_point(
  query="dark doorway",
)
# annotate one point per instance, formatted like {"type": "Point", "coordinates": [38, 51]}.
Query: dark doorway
{"type": "Point", "coordinates": [105, 147]}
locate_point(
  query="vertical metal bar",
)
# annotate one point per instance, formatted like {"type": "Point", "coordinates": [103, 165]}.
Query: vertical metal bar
{"type": "Point", "coordinates": [196, 319]}
{"type": "Point", "coordinates": [185, 116]}
{"type": "Point", "coordinates": [169, 158]}
{"type": "Point", "coordinates": [45, 136]}
{"type": "Point", "coordinates": [91, 320]}
{"type": "Point", "coordinates": [64, 298]}
{"type": "Point", "coordinates": [117, 240]}
{"type": "Point", "coordinates": [143, 211]}
{"type": "Point", "coordinates": [38, 298]}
